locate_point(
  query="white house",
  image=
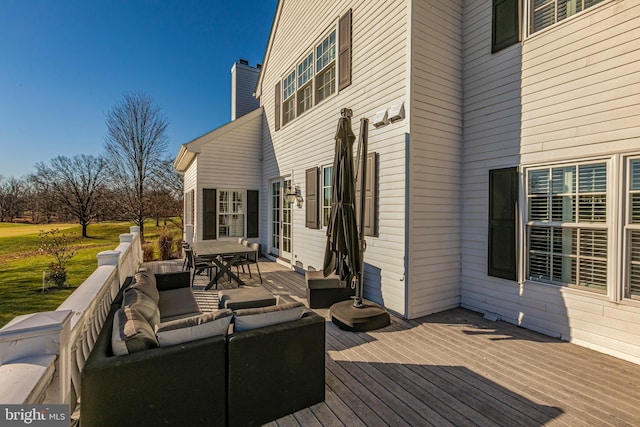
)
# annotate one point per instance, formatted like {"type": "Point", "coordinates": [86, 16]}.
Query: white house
{"type": "Point", "coordinates": [506, 143]}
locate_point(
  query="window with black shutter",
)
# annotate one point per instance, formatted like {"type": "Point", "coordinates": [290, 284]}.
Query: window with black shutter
{"type": "Point", "coordinates": [370, 209]}
{"type": "Point", "coordinates": [277, 106]}
{"type": "Point", "coordinates": [344, 49]}
{"type": "Point", "coordinates": [505, 29]}
{"type": "Point", "coordinates": [503, 205]}
{"type": "Point", "coordinates": [312, 196]}
{"type": "Point", "coordinates": [253, 201]}
{"type": "Point", "coordinates": [209, 214]}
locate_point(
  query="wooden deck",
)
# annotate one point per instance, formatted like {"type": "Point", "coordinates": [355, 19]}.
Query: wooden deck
{"type": "Point", "coordinates": [455, 369]}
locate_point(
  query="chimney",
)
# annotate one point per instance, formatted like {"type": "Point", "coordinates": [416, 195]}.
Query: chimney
{"type": "Point", "coordinates": [243, 83]}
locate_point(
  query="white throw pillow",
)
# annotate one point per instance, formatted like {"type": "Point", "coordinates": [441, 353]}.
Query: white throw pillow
{"type": "Point", "coordinates": [253, 318]}
{"type": "Point", "coordinates": [194, 328]}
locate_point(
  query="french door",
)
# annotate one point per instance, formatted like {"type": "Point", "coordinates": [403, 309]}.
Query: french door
{"type": "Point", "coordinates": [281, 241]}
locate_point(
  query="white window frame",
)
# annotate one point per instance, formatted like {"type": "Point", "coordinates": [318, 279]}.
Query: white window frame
{"type": "Point", "coordinates": [288, 97]}
{"type": "Point", "coordinates": [326, 62]}
{"type": "Point", "coordinates": [573, 225]}
{"type": "Point", "coordinates": [305, 76]}
{"type": "Point", "coordinates": [629, 227]}
{"type": "Point", "coordinates": [326, 187]}
{"type": "Point", "coordinates": [531, 13]}
{"type": "Point", "coordinates": [238, 209]}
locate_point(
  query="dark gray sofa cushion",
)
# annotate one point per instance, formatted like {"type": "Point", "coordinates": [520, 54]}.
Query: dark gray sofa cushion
{"type": "Point", "coordinates": [131, 332]}
{"type": "Point", "coordinates": [177, 303]}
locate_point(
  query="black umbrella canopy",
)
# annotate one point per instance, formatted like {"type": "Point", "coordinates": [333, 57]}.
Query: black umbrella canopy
{"type": "Point", "coordinates": [343, 253]}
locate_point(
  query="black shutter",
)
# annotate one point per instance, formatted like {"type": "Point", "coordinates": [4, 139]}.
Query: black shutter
{"type": "Point", "coordinates": [209, 214]}
{"type": "Point", "coordinates": [370, 208]}
{"type": "Point", "coordinates": [344, 51]}
{"type": "Point", "coordinates": [503, 209]}
{"type": "Point", "coordinates": [253, 202]}
{"type": "Point", "coordinates": [277, 106]}
{"type": "Point", "coordinates": [312, 198]}
{"type": "Point", "coordinates": [505, 29]}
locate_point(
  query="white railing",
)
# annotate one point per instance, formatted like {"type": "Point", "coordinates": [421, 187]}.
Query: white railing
{"type": "Point", "coordinates": [42, 354]}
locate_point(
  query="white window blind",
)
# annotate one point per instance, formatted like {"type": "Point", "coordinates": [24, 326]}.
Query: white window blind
{"type": "Point", "coordinates": [633, 231]}
{"type": "Point", "coordinates": [547, 12]}
{"type": "Point", "coordinates": [567, 225]}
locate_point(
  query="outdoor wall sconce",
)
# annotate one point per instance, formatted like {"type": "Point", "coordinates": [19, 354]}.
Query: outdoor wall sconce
{"type": "Point", "coordinates": [294, 195]}
{"type": "Point", "coordinates": [380, 119]}
{"type": "Point", "coordinates": [396, 112]}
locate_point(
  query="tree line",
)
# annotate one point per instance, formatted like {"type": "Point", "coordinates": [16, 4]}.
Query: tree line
{"type": "Point", "coordinates": [132, 180]}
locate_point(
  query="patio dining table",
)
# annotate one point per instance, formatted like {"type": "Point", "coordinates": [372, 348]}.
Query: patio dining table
{"type": "Point", "coordinates": [225, 254]}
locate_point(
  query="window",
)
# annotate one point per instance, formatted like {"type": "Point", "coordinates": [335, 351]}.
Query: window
{"type": "Point", "coordinates": [503, 203]}
{"type": "Point", "coordinates": [505, 30]}
{"type": "Point", "coordinates": [567, 225]}
{"type": "Point", "coordinates": [288, 105]}
{"type": "Point", "coordinates": [547, 12]}
{"type": "Point", "coordinates": [326, 67]}
{"type": "Point", "coordinates": [314, 78]}
{"type": "Point", "coordinates": [632, 231]}
{"type": "Point", "coordinates": [305, 88]}
{"type": "Point", "coordinates": [327, 188]}
{"type": "Point", "coordinates": [231, 214]}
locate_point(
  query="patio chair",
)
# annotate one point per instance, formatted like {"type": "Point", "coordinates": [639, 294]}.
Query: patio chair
{"type": "Point", "coordinates": [250, 258]}
{"type": "Point", "coordinates": [199, 265]}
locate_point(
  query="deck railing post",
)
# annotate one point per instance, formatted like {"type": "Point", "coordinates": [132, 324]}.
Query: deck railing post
{"type": "Point", "coordinates": [110, 258]}
{"type": "Point", "coordinates": [29, 340]}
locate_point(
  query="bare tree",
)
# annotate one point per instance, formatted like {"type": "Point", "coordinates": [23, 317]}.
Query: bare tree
{"type": "Point", "coordinates": [167, 198]}
{"type": "Point", "coordinates": [12, 197]}
{"type": "Point", "coordinates": [76, 182]}
{"type": "Point", "coordinates": [136, 142]}
{"type": "Point", "coordinates": [44, 202]}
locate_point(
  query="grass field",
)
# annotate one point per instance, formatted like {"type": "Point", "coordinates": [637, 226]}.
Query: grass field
{"type": "Point", "coordinates": [21, 265]}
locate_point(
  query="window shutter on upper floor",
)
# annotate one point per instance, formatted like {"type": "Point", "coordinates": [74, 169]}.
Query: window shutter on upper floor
{"type": "Point", "coordinates": [503, 205]}
{"type": "Point", "coordinates": [344, 51]}
{"type": "Point", "coordinates": [209, 213]}
{"type": "Point", "coordinates": [312, 198]}
{"type": "Point", "coordinates": [505, 29]}
{"type": "Point", "coordinates": [253, 202]}
{"type": "Point", "coordinates": [278, 94]}
{"type": "Point", "coordinates": [370, 213]}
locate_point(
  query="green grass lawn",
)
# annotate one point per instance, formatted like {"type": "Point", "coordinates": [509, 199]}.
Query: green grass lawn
{"type": "Point", "coordinates": [21, 266]}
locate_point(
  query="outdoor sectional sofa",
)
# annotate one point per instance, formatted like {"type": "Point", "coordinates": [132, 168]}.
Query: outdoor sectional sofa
{"type": "Point", "coordinates": [250, 376]}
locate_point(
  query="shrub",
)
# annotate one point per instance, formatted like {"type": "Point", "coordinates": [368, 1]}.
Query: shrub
{"type": "Point", "coordinates": [147, 252]}
{"type": "Point", "coordinates": [61, 246]}
{"type": "Point", "coordinates": [165, 244]}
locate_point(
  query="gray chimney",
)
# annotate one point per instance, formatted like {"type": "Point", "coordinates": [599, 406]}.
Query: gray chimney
{"type": "Point", "coordinates": [243, 83]}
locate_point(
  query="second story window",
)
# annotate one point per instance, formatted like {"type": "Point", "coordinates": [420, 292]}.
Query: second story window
{"type": "Point", "coordinates": [547, 12]}
{"type": "Point", "coordinates": [326, 67]}
{"type": "Point", "coordinates": [305, 80]}
{"type": "Point", "coordinates": [288, 105]}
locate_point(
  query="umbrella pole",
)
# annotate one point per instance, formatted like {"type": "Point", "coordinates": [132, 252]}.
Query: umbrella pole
{"type": "Point", "coordinates": [363, 144]}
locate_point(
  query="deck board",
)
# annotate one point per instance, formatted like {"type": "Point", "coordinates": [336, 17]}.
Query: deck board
{"type": "Point", "coordinates": [452, 368]}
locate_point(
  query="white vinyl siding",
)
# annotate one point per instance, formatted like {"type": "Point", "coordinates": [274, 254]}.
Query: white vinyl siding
{"type": "Point", "coordinates": [435, 141]}
{"type": "Point", "coordinates": [308, 141]}
{"type": "Point", "coordinates": [566, 94]}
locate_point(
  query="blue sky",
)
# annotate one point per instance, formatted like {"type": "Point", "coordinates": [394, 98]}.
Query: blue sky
{"type": "Point", "coordinates": [64, 64]}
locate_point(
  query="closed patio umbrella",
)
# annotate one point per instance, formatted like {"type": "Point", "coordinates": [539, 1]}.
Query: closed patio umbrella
{"type": "Point", "coordinates": [342, 253]}
{"type": "Point", "coordinates": [345, 247]}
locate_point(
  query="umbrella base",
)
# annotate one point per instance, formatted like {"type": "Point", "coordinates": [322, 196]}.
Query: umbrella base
{"type": "Point", "coordinates": [371, 316]}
